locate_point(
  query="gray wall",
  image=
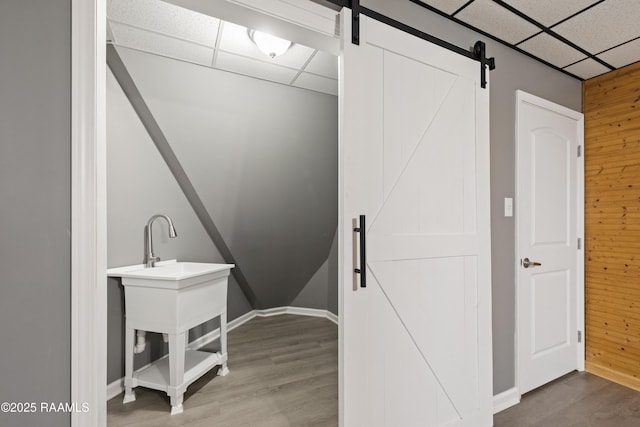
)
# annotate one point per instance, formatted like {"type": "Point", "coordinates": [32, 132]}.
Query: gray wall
{"type": "Point", "coordinates": [35, 185]}
{"type": "Point", "coordinates": [262, 158]}
{"type": "Point", "coordinates": [514, 71]}
{"type": "Point", "coordinates": [321, 291]}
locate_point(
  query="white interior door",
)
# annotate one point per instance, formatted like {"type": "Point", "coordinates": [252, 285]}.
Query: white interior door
{"type": "Point", "coordinates": [549, 208]}
{"type": "Point", "coordinates": [416, 342]}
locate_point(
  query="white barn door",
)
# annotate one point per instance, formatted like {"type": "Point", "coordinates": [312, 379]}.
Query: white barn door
{"type": "Point", "coordinates": [416, 341]}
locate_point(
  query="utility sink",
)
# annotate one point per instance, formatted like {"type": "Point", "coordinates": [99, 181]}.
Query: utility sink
{"type": "Point", "coordinates": [170, 274]}
{"type": "Point", "coordinates": [171, 298]}
{"type": "Point", "coordinates": [173, 295]}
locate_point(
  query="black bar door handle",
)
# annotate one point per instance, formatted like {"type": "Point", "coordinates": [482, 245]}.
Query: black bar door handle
{"type": "Point", "coordinates": [362, 271]}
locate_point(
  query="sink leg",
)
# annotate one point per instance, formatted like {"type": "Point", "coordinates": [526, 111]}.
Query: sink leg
{"type": "Point", "coordinates": [177, 344]}
{"type": "Point", "coordinates": [224, 370]}
{"type": "Point", "coordinates": [176, 405]}
{"type": "Point", "coordinates": [129, 395]}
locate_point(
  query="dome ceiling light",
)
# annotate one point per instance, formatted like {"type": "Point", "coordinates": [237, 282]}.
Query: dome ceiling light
{"type": "Point", "coordinates": [271, 46]}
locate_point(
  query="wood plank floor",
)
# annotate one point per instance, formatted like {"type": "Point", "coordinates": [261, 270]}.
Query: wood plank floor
{"type": "Point", "coordinates": [578, 399]}
{"type": "Point", "coordinates": [284, 372]}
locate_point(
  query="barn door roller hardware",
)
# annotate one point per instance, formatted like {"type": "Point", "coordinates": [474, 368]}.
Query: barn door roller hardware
{"type": "Point", "coordinates": [478, 52]}
{"type": "Point", "coordinates": [355, 22]}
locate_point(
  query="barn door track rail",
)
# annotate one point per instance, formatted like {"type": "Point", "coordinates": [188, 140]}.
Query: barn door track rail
{"type": "Point", "coordinates": [478, 52]}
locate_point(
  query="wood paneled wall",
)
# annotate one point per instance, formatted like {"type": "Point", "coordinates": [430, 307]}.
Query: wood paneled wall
{"type": "Point", "coordinates": [611, 106]}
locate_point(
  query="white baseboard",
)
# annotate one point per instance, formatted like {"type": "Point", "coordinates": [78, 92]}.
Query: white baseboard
{"type": "Point", "coordinates": [506, 399]}
{"type": "Point", "coordinates": [299, 311]}
{"type": "Point", "coordinates": [117, 387]}
{"type": "Point", "coordinates": [215, 334]}
{"type": "Point", "coordinates": [271, 311]}
{"type": "Point", "coordinates": [332, 317]}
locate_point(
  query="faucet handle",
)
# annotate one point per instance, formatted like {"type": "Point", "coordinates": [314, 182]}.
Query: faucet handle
{"type": "Point", "coordinates": [151, 261]}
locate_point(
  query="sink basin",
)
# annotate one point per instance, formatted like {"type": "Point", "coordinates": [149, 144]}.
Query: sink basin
{"type": "Point", "coordinates": [170, 274]}
{"type": "Point", "coordinates": [177, 270]}
{"type": "Point", "coordinates": [173, 295]}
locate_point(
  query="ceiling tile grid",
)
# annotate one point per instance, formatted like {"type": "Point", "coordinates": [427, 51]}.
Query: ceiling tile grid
{"type": "Point", "coordinates": [550, 12]}
{"type": "Point", "coordinates": [165, 18]}
{"type": "Point", "coordinates": [132, 37]}
{"type": "Point", "coordinates": [446, 6]}
{"type": "Point", "coordinates": [552, 50]}
{"type": "Point", "coordinates": [323, 64]}
{"type": "Point", "coordinates": [254, 68]}
{"type": "Point", "coordinates": [161, 28]}
{"type": "Point", "coordinates": [622, 55]}
{"type": "Point", "coordinates": [587, 69]}
{"type": "Point", "coordinates": [590, 30]}
{"type": "Point", "coordinates": [317, 83]}
{"type": "Point", "coordinates": [583, 38]}
{"type": "Point", "coordinates": [494, 19]}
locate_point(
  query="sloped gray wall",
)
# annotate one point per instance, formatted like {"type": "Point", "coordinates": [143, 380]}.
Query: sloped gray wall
{"type": "Point", "coordinates": [514, 71]}
{"type": "Point", "coordinates": [261, 156]}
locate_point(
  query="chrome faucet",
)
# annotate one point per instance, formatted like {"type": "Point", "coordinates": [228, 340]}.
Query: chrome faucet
{"type": "Point", "coordinates": [152, 259]}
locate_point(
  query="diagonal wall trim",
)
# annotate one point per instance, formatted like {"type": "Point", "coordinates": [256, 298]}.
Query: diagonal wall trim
{"type": "Point", "coordinates": [157, 136]}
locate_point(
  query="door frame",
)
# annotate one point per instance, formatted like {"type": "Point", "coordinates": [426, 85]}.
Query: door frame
{"type": "Point", "coordinates": [88, 212]}
{"type": "Point", "coordinates": [89, 178]}
{"type": "Point", "coordinates": [521, 98]}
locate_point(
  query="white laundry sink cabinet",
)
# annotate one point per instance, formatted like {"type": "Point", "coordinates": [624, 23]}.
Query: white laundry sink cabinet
{"type": "Point", "coordinates": [172, 298]}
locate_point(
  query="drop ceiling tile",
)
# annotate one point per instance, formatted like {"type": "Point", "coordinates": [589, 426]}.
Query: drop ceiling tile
{"type": "Point", "coordinates": [552, 50]}
{"type": "Point", "coordinates": [317, 83]}
{"type": "Point", "coordinates": [446, 6]}
{"type": "Point", "coordinates": [587, 69]}
{"type": "Point", "coordinates": [620, 18]}
{"type": "Point", "coordinates": [549, 12]}
{"type": "Point", "coordinates": [254, 68]}
{"type": "Point", "coordinates": [323, 64]}
{"type": "Point", "coordinates": [235, 39]}
{"type": "Point", "coordinates": [494, 19]}
{"type": "Point", "coordinates": [623, 55]}
{"type": "Point", "coordinates": [165, 18]}
{"type": "Point", "coordinates": [161, 45]}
